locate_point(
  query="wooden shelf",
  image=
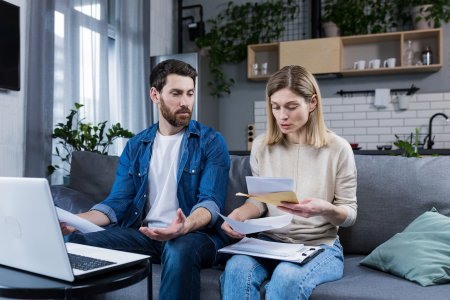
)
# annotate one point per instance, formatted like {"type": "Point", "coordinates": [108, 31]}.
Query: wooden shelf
{"type": "Point", "coordinates": [337, 55]}
{"type": "Point", "coordinates": [262, 53]}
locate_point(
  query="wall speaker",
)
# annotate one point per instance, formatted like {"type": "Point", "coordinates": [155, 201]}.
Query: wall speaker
{"type": "Point", "coordinates": [250, 135]}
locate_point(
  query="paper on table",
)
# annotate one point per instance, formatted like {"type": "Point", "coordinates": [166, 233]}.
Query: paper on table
{"type": "Point", "coordinates": [81, 224]}
{"type": "Point", "coordinates": [258, 225]}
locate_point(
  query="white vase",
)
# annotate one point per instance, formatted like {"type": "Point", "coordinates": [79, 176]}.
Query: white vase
{"type": "Point", "coordinates": [420, 12]}
{"type": "Point", "coordinates": [330, 29]}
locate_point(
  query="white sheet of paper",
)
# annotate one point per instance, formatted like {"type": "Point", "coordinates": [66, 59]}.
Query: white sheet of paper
{"type": "Point", "coordinates": [81, 224]}
{"type": "Point", "coordinates": [262, 185]}
{"type": "Point", "coordinates": [258, 225]}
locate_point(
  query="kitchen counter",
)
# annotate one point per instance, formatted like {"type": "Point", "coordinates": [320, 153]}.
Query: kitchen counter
{"type": "Point", "coordinates": [399, 152]}
{"type": "Point", "coordinates": [372, 152]}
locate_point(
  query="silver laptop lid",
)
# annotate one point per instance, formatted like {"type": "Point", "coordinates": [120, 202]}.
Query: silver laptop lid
{"type": "Point", "coordinates": [29, 229]}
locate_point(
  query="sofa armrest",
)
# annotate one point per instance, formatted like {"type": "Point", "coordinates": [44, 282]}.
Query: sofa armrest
{"type": "Point", "coordinates": [70, 199]}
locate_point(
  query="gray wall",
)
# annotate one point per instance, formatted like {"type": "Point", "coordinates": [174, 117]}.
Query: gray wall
{"type": "Point", "coordinates": [236, 109]}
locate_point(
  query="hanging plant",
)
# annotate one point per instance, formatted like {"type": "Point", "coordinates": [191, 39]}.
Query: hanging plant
{"type": "Point", "coordinates": [238, 26]}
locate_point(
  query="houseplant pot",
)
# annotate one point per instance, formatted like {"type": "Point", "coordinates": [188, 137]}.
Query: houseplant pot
{"type": "Point", "coordinates": [330, 29]}
{"type": "Point", "coordinates": [77, 135]}
{"type": "Point", "coordinates": [430, 14]}
{"type": "Point", "coordinates": [422, 17]}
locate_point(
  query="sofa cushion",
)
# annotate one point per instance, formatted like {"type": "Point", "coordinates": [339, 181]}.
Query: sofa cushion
{"type": "Point", "coordinates": [420, 253]}
{"type": "Point", "coordinates": [70, 199]}
{"type": "Point", "coordinates": [239, 168]}
{"type": "Point", "coordinates": [93, 174]}
{"type": "Point", "coordinates": [361, 282]}
{"type": "Point", "coordinates": [392, 191]}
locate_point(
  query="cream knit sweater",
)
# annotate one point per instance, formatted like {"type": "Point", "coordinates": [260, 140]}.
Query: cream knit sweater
{"type": "Point", "coordinates": [328, 173]}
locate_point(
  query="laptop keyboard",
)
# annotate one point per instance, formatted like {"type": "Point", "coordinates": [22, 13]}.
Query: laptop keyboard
{"type": "Point", "coordinates": [86, 263]}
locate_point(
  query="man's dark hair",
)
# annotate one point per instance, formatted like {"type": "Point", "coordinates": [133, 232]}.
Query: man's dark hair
{"type": "Point", "coordinates": [171, 66]}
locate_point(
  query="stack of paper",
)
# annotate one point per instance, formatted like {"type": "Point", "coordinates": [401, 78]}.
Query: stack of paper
{"type": "Point", "coordinates": [298, 253]}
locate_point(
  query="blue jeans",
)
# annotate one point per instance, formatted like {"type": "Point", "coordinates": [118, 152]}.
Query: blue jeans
{"type": "Point", "coordinates": [245, 275]}
{"type": "Point", "coordinates": [181, 258]}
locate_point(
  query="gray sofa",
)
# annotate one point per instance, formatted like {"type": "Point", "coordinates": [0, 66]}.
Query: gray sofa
{"type": "Point", "coordinates": [392, 191]}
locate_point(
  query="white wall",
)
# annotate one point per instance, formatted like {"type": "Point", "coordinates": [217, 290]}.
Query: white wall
{"type": "Point", "coordinates": [357, 120]}
{"type": "Point", "coordinates": [12, 112]}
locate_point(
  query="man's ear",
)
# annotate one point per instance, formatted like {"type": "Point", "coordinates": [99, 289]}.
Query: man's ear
{"type": "Point", "coordinates": [154, 95]}
{"type": "Point", "coordinates": [313, 103]}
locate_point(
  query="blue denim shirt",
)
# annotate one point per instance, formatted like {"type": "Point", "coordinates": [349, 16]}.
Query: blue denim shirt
{"type": "Point", "coordinates": [202, 176]}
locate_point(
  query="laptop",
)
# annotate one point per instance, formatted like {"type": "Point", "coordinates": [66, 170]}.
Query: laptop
{"type": "Point", "coordinates": [32, 240]}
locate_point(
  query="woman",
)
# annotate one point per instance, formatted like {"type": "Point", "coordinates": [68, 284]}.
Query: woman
{"type": "Point", "coordinates": [297, 145]}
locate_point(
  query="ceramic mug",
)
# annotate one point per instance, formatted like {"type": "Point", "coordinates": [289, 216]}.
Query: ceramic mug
{"type": "Point", "coordinates": [255, 70]}
{"type": "Point", "coordinates": [359, 65]}
{"type": "Point", "coordinates": [389, 63]}
{"type": "Point", "coordinates": [375, 63]}
{"type": "Point", "coordinates": [264, 66]}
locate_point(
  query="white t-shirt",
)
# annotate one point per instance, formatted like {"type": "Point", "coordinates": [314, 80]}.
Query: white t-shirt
{"type": "Point", "coordinates": [162, 180]}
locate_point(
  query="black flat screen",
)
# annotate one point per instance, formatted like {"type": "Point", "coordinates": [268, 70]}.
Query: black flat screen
{"type": "Point", "coordinates": [9, 46]}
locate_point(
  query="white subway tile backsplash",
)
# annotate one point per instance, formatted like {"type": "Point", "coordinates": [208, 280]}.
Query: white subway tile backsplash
{"type": "Point", "coordinates": [366, 123]}
{"type": "Point", "coordinates": [379, 115]}
{"type": "Point", "coordinates": [404, 114]}
{"type": "Point", "coordinates": [430, 97]}
{"type": "Point", "coordinates": [357, 120]}
{"type": "Point", "coordinates": [379, 130]}
{"type": "Point", "coordinates": [343, 108]}
{"type": "Point", "coordinates": [260, 119]}
{"type": "Point", "coordinates": [260, 104]}
{"type": "Point", "coordinates": [332, 101]}
{"type": "Point", "coordinates": [260, 125]}
{"type": "Point", "coordinates": [362, 107]}
{"type": "Point", "coordinates": [415, 122]}
{"type": "Point", "coordinates": [440, 104]}
{"type": "Point", "coordinates": [366, 138]}
{"type": "Point", "coordinates": [336, 124]}
{"type": "Point", "coordinates": [419, 105]}
{"type": "Point", "coordinates": [333, 116]}
{"type": "Point", "coordinates": [348, 131]}
{"type": "Point", "coordinates": [392, 122]}
{"type": "Point", "coordinates": [354, 116]}
{"type": "Point", "coordinates": [260, 112]}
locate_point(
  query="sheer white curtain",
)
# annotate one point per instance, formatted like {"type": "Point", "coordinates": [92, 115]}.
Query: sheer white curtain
{"type": "Point", "coordinates": [132, 64]}
{"type": "Point", "coordinates": [101, 66]}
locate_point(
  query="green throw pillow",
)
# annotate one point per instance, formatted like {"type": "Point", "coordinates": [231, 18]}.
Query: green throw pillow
{"type": "Point", "coordinates": [420, 253]}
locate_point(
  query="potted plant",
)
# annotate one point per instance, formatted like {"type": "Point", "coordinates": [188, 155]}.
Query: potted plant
{"type": "Point", "coordinates": [354, 17]}
{"type": "Point", "coordinates": [236, 27]}
{"type": "Point", "coordinates": [348, 15]}
{"type": "Point", "coordinates": [77, 135]}
{"type": "Point", "coordinates": [429, 14]}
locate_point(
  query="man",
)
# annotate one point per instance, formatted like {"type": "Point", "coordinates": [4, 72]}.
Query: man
{"type": "Point", "coordinates": [169, 188]}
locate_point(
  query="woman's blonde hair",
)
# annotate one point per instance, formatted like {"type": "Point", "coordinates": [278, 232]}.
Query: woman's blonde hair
{"type": "Point", "coordinates": [302, 83]}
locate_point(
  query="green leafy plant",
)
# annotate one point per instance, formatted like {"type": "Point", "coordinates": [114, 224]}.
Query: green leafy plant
{"type": "Point", "coordinates": [439, 11]}
{"type": "Point", "coordinates": [355, 17]}
{"type": "Point", "coordinates": [76, 135]}
{"type": "Point", "coordinates": [235, 28]}
{"type": "Point", "coordinates": [408, 149]}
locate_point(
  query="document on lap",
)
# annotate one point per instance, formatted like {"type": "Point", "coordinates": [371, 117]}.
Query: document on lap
{"type": "Point", "coordinates": [258, 225]}
{"type": "Point", "coordinates": [270, 190]}
{"type": "Point", "coordinates": [81, 224]}
{"type": "Point", "coordinates": [298, 253]}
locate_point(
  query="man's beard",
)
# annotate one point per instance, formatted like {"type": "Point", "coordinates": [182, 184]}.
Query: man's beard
{"type": "Point", "coordinates": [175, 119]}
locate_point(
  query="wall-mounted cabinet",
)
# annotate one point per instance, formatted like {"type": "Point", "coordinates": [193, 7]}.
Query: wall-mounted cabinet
{"type": "Point", "coordinates": [338, 55]}
{"type": "Point", "coordinates": [319, 56]}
